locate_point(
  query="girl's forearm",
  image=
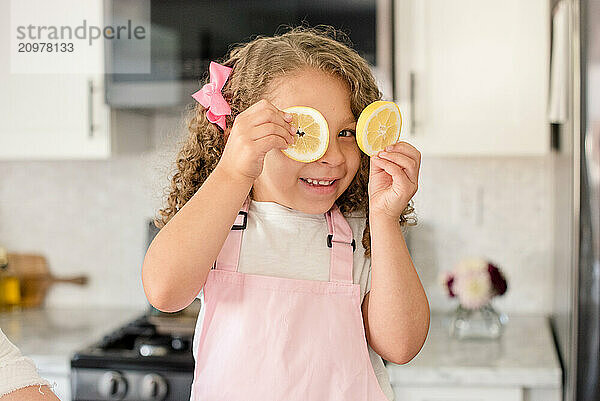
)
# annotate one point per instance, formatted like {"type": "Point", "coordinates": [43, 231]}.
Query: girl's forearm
{"type": "Point", "coordinates": [398, 309]}
{"type": "Point", "coordinates": [181, 255]}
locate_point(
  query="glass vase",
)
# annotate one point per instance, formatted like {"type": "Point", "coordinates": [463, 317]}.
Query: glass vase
{"type": "Point", "coordinates": [481, 323]}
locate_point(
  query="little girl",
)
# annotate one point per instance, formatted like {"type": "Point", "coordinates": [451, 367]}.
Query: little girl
{"type": "Point", "coordinates": [283, 266]}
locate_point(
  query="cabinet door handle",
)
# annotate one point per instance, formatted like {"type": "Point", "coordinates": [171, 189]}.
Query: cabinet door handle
{"type": "Point", "coordinates": [412, 102]}
{"type": "Point", "coordinates": [90, 93]}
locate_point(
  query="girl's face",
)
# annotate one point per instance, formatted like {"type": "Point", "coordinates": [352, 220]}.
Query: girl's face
{"type": "Point", "coordinates": [280, 180]}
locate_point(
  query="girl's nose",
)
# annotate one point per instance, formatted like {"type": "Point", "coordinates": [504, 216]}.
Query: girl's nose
{"type": "Point", "coordinates": [333, 155]}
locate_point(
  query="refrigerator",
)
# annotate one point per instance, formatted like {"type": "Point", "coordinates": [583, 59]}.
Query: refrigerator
{"type": "Point", "coordinates": [576, 192]}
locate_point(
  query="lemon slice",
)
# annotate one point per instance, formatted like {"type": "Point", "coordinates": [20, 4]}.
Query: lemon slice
{"type": "Point", "coordinates": [378, 126]}
{"type": "Point", "coordinates": [312, 134]}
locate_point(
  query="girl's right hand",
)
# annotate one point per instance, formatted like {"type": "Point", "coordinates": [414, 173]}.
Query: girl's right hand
{"type": "Point", "coordinates": [255, 131]}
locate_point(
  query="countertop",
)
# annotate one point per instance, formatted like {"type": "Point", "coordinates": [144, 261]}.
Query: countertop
{"type": "Point", "coordinates": [50, 336]}
{"type": "Point", "coordinates": [524, 356]}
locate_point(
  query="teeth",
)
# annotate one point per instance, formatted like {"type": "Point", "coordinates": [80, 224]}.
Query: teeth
{"type": "Point", "coordinates": [315, 182]}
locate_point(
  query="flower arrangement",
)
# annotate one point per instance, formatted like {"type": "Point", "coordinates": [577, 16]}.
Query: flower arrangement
{"type": "Point", "coordinates": [474, 281]}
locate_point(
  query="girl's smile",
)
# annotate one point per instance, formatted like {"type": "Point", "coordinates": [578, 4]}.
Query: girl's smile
{"type": "Point", "coordinates": [320, 187]}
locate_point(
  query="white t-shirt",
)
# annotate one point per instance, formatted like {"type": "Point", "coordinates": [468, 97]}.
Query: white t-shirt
{"type": "Point", "coordinates": [16, 371]}
{"type": "Point", "coordinates": [269, 224]}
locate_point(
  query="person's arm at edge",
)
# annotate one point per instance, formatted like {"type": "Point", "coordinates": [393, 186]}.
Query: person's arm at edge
{"type": "Point", "coordinates": [31, 393]}
{"type": "Point", "coordinates": [19, 380]}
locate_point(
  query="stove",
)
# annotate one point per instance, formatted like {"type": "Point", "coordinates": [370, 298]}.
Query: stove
{"type": "Point", "coordinates": [135, 362]}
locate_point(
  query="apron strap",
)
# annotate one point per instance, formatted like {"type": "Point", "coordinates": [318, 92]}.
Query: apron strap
{"type": "Point", "coordinates": [230, 252]}
{"type": "Point", "coordinates": [339, 239]}
{"type": "Point", "coordinates": [342, 246]}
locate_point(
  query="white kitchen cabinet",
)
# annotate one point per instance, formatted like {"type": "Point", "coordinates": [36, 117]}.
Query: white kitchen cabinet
{"type": "Point", "coordinates": [53, 116]}
{"type": "Point", "coordinates": [472, 75]}
{"type": "Point", "coordinates": [458, 393]}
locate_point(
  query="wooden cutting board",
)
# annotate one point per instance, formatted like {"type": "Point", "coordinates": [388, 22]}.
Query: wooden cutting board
{"type": "Point", "coordinates": [35, 277]}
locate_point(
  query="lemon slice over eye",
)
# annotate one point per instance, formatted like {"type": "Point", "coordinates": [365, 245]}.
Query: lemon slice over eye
{"type": "Point", "coordinates": [378, 126]}
{"type": "Point", "coordinates": [312, 134]}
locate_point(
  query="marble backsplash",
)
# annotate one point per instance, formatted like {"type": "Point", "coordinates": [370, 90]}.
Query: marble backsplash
{"type": "Point", "coordinates": [90, 217]}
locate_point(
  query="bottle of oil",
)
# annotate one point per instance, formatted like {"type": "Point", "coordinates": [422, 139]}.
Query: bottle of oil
{"type": "Point", "coordinates": [10, 294]}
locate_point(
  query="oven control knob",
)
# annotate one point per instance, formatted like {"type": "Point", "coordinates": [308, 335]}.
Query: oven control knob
{"type": "Point", "coordinates": [113, 386]}
{"type": "Point", "coordinates": [153, 387]}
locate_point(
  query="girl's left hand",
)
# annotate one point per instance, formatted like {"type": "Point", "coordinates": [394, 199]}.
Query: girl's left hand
{"type": "Point", "coordinates": [393, 179]}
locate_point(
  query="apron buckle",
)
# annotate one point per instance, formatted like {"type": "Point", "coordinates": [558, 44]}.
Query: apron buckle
{"type": "Point", "coordinates": [329, 242]}
{"type": "Point", "coordinates": [243, 225]}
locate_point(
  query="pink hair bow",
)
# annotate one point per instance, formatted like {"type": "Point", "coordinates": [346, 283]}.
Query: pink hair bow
{"type": "Point", "coordinates": [210, 95]}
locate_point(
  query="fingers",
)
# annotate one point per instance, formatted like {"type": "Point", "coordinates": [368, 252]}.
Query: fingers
{"type": "Point", "coordinates": [264, 112]}
{"type": "Point", "coordinates": [407, 148]}
{"type": "Point", "coordinates": [251, 133]}
{"type": "Point", "coordinates": [275, 129]}
{"type": "Point", "coordinates": [396, 172]}
{"type": "Point", "coordinates": [269, 142]}
{"type": "Point", "coordinates": [397, 162]}
{"type": "Point", "coordinates": [269, 130]}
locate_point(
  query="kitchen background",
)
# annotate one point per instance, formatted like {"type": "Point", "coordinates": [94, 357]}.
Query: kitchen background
{"type": "Point", "coordinates": [490, 93]}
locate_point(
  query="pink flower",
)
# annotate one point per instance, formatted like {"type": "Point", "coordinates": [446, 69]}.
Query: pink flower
{"type": "Point", "coordinates": [474, 281]}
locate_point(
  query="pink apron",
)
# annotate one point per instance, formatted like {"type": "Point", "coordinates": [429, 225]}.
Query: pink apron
{"type": "Point", "coordinates": [273, 338]}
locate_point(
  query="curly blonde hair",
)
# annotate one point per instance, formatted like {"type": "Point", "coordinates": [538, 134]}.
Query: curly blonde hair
{"type": "Point", "coordinates": [255, 65]}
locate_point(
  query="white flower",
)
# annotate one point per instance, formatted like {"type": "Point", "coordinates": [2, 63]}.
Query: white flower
{"type": "Point", "coordinates": [473, 288]}
{"type": "Point", "coordinates": [469, 265]}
